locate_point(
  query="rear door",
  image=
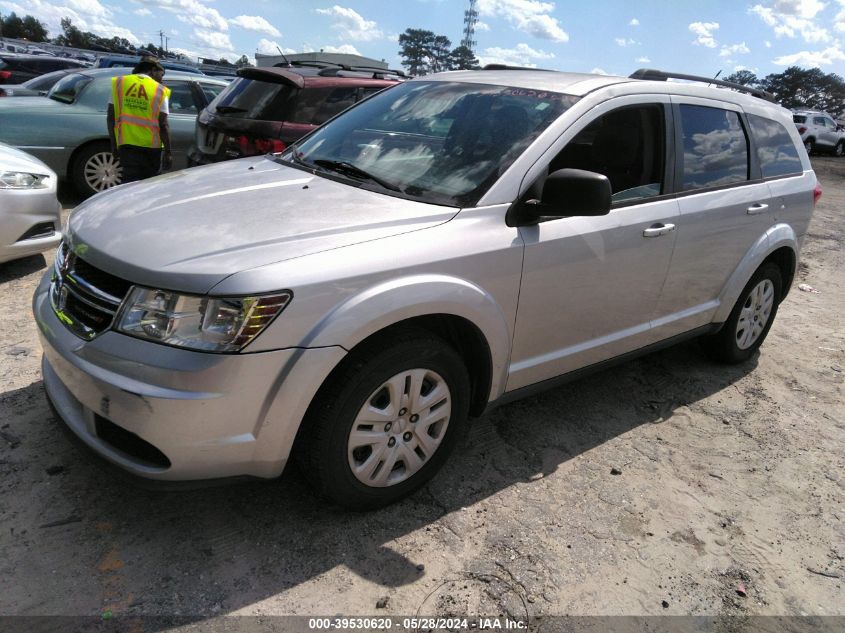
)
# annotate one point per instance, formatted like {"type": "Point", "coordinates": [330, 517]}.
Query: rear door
{"type": "Point", "coordinates": [725, 207]}
{"type": "Point", "coordinates": [182, 119]}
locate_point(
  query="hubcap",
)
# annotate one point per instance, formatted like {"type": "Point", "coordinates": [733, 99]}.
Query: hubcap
{"type": "Point", "coordinates": [385, 447]}
{"type": "Point", "coordinates": [755, 314]}
{"type": "Point", "coordinates": [103, 171]}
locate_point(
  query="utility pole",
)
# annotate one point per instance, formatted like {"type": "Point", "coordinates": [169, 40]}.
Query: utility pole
{"type": "Point", "coordinates": [470, 20]}
{"type": "Point", "coordinates": [161, 39]}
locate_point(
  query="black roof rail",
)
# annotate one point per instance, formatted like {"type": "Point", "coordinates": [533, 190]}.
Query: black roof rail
{"type": "Point", "coordinates": [506, 67]}
{"type": "Point", "coordinates": [660, 75]}
{"type": "Point", "coordinates": [378, 73]}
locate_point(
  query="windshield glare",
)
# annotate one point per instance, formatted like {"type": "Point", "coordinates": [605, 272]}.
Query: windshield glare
{"type": "Point", "coordinates": [440, 142]}
{"type": "Point", "coordinates": [67, 90]}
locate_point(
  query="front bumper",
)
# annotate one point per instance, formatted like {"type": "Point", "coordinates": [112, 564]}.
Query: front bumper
{"type": "Point", "coordinates": [209, 415]}
{"type": "Point", "coordinates": [22, 210]}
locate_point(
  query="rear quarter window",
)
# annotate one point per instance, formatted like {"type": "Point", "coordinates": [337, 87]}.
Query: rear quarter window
{"type": "Point", "coordinates": [318, 105]}
{"type": "Point", "coordinates": [715, 147]}
{"type": "Point", "coordinates": [776, 152]}
{"type": "Point", "coordinates": [255, 100]}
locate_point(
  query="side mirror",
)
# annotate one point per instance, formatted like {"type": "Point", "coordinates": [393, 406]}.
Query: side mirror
{"type": "Point", "coordinates": [568, 192]}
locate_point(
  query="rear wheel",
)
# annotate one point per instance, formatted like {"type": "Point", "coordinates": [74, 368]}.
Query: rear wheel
{"type": "Point", "coordinates": [751, 318]}
{"type": "Point", "coordinates": [839, 150]}
{"type": "Point", "coordinates": [95, 169]}
{"type": "Point", "coordinates": [386, 422]}
{"type": "Point", "coordinates": [810, 146]}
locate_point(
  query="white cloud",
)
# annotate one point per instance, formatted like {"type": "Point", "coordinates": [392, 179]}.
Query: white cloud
{"type": "Point", "coordinates": [352, 25]}
{"type": "Point", "coordinates": [704, 31]}
{"type": "Point", "coordinates": [87, 15]}
{"type": "Point", "coordinates": [643, 60]}
{"type": "Point", "coordinates": [193, 12]}
{"type": "Point", "coordinates": [255, 23]}
{"type": "Point", "coordinates": [788, 18]}
{"type": "Point", "coordinates": [268, 47]}
{"type": "Point", "coordinates": [599, 71]}
{"type": "Point", "coordinates": [528, 16]}
{"type": "Point", "coordinates": [811, 58]}
{"type": "Point", "coordinates": [634, 22]}
{"type": "Point", "coordinates": [521, 55]}
{"type": "Point", "coordinates": [802, 8]}
{"type": "Point", "coordinates": [214, 40]}
{"type": "Point", "coordinates": [768, 44]}
{"type": "Point", "coordinates": [142, 12]}
{"type": "Point", "coordinates": [621, 41]}
{"type": "Point", "coordinates": [482, 26]}
{"type": "Point", "coordinates": [735, 49]}
{"type": "Point", "coordinates": [346, 49]}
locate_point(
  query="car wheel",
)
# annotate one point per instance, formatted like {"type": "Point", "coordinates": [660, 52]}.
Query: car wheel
{"type": "Point", "coordinates": [839, 150]}
{"type": "Point", "coordinates": [751, 318]}
{"type": "Point", "coordinates": [95, 169]}
{"type": "Point", "coordinates": [386, 421]}
{"type": "Point", "coordinates": [810, 146]}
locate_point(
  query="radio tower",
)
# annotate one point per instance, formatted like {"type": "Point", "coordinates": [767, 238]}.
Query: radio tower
{"type": "Point", "coordinates": [470, 19]}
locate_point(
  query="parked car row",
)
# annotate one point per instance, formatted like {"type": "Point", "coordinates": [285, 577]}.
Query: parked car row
{"type": "Point", "coordinates": [16, 69]}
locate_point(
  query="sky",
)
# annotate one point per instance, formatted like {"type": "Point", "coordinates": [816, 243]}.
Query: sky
{"type": "Point", "coordinates": [606, 36]}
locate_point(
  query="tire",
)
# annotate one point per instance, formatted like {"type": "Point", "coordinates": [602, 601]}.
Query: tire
{"type": "Point", "coordinates": [839, 150]}
{"type": "Point", "coordinates": [356, 449]}
{"type": "Point", "coordinates": [95, 169]}
{"type": "Point", "coordinates": [810, 146]}
{"type": "Point", "coordinates": [751, 318]}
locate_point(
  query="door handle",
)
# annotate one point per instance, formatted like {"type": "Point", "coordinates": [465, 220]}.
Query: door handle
{"type": "Point", "coordinates": [656, 230]}
{"type": "Point", "coordinates": [754, 209]}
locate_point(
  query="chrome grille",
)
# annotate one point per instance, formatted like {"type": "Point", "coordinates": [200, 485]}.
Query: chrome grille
{"type": "Point", "coordinates": [85, 298]}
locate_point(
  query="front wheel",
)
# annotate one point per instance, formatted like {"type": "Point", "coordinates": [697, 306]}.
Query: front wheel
{"type": "Point", "coordinates": [95, 169]}
{"type": "Point", "coordinates": [751, 318]}
{"type": "Point", "coordinates": [810, 146]}
{"type": "Point", "coordinates": [386, 422]}
{"type": "Point", "coordinates": [839, 150]}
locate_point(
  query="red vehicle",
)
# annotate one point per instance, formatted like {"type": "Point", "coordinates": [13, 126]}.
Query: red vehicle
{"type": "Point", "coordinates": [265, 109]}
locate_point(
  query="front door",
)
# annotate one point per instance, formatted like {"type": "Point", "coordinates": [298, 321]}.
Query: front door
{"type": "Point", "coordinates": [590, 284]}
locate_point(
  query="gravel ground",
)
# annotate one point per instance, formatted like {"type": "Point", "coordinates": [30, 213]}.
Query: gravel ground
{"type": "Point", "coordinates": [668, 485]}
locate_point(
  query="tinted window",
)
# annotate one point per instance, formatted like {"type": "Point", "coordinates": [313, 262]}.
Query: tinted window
{"type": "Point", "coordinates": [45, 82]}
{"type": "Point", "coordinates": [67, 90]}
{"type": "Point", "coordinates": [627, 146]}
{"type": "Point", "coordinates": [318, 105]}
{"type": "Point", "coordinates": [211, 91]}
{"type": "Point", "coordinates": [258, 100]}
{"type": "Point", "coordinates": [715, 147]}
{"type": "Point", "coordinates": [775, 149]}
{"type": "Point", "coordinates": [818, 121]}
{"type": "Point", "coordinates": [797, 118]}
{"type": "Point", "coordinates": [181, 98]}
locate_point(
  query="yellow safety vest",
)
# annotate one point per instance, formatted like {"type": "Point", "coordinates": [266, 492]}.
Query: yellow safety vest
{"type": "Point", "coordinates": [137, 102]}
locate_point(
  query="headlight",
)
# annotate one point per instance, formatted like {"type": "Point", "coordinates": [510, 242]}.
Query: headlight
{"type": "Point", "coordinates": [213, 324]}
{"type": "Point", "coordinates": [21, 180]}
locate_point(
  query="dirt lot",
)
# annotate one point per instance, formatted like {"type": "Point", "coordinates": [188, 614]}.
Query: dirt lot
{"type": "Point", "coordinates": [731, 482]}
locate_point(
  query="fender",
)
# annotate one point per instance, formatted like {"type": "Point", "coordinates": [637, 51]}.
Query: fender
{"type": "Point", "coordinates": [775, 237]}
{"type": "Point", "coordinates": [393, 301]}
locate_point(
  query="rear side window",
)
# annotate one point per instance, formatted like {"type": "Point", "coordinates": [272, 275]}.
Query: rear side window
{"type": "Point", "coordinates": [211, 91]}
{"type": "Point", "coordinates": [181, 98]}
{"type": "Point", "coordinates": [67, 90]}
{"type": "Point", "coordinates": [715, 147]}
{"type": "Point", "coordinates": [775, 149]}
{"type": "Point", "coordinates": [318, 105]}
{"type": "Point", "coordinates": [797, 118]}
{"type": "Point", "coordinates": [256, 100]}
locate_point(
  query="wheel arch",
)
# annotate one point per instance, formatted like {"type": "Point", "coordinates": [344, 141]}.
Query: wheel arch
{"type": "Point", "coordinates": [778, 244]}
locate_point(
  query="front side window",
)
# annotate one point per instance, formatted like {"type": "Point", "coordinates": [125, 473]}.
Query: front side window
{"type": "Point", "coordinates": [439, 142]}
{"type": "Point", "coordinates": [627, 146]}
{"type": "Point", "coordinates": [715, 147]}
{"type": "Point", "coordinates": [775, 150]}
{"type": "Point", "coordinates": [181, 98]}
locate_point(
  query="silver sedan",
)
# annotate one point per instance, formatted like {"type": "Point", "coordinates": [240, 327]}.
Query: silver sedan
{"type": "Point", "coordinates": [30, 214]}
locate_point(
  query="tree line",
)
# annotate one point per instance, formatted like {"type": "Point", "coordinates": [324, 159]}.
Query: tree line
{"type": "Point", "coordinates": [798, 88]}
{"type": "Point", "coordinates": [425, 52]}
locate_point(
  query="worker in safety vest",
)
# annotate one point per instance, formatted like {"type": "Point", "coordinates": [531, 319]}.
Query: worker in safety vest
{"type": "Point", "coordinates": [137, 120]}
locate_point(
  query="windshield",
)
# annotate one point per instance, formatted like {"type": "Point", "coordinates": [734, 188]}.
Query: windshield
{"type": "Point", "coordinates": [67, 90]}
{"type": "Point", "coordinates": [255, 100]}
{"type": "Point", "coordinates": [440, 142]}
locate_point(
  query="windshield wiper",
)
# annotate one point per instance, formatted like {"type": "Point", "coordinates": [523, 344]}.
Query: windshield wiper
{"type": "Point", "coordinates": [342, 167]}
{"type": "Point", "coordinates": [224, 109]}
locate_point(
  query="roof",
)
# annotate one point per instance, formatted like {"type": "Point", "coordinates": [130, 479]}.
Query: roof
{"type": "Point", "coordinates": [116, 71]}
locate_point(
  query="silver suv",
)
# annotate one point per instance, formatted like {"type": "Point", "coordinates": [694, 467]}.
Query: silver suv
{"type": "Point", "coordinates": [819, 132]}
{"type": "Point", "coordinates": [450, 243]}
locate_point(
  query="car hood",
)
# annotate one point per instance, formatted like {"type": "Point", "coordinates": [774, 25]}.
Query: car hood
{"type": "Point", "coordinates": [191, 229]}
{"type": "Point", "coordinates": [12, 159]}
